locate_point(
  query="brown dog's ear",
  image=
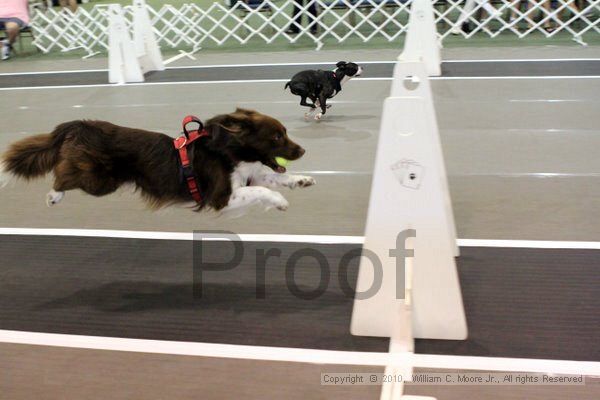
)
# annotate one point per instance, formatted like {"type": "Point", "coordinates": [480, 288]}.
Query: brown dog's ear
{"type": "Point", "coordinates": [245, 111]}
{"type": "Point", "coordinates": [228, 129]}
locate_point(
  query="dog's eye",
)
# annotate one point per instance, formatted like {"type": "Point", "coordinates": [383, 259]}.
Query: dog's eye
{"type": "Point", "coordinates": [278, 136]}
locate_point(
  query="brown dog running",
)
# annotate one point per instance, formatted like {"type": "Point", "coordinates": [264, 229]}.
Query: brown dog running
{"type": "Point", "coordinates": [234, 164]}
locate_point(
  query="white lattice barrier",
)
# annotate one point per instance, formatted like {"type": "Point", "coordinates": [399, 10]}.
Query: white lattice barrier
{"type": "Point", "coordinates": [336, 21]}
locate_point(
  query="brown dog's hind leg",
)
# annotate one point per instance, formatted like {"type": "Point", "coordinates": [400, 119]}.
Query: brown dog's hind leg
{"type": "Point", "coordinates": [65, 178]}
{"type": "Point", "coordinates": [69, 176]}
{"type": "Point", "coordinates": [53, 197]}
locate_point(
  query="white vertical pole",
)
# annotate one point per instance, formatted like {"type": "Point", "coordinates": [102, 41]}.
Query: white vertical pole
{"type": "Point", "coordinates": [123, 65]}
{"type": "Point", "coordinates": [146, 47]}
{"type": "Point", "coordinates": [421, 43]}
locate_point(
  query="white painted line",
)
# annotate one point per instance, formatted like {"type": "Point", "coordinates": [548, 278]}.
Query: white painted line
{"type": "Point", "coordinates": [188, 103]}
{"type": "Point", "coordinates": [328, 172]}
{"type": "Point", "coordinates": [529, 244]}
{"type": "Point", "coordinates": [311, 356]}
{"type": "Point", "coordinates": [75, 71]}
{"type": "Point", "coordinates": [529, 60]}
{"type": "Point", "coordinates": [548, 130]}
{"type": "Point", "coordinates": [541, 175]}
{"type": "Point", "coordinates": [127, 85]}
{"type": "Point", "coordinates": [284, 238]}
{"type": "Point", "coordinates": [587, 368]}
{"type": "Point", "coordinates": [319, 239]}
{"type": "Point", "coordinates": [453, 78]}
{"type": "Point", "coordinates": [518, 60]}
{"type": "Point", "coordinates": [547, 100]}
{"type": "Point", "coordinates": [332, 63]}
{"type": "Point", "coordinates": [478, 174]}
{"type": "Point", "coordinates": [243, 352]}
{"type": "Point", "coordinates": [79, 71]}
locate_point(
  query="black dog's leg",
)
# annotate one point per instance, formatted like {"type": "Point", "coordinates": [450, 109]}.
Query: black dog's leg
{"type": "Point", "coordinates": [312, 106]}
{"type": "Point", "coordinates": [318, 104]}
{"type": "Point", "coordinates": [323, 104]}
{"type": "Point", "coordinates": [305, 104]}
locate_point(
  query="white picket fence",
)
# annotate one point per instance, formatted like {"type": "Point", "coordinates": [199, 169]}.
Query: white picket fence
{"type": "Point", "coordinates": [337, 21]}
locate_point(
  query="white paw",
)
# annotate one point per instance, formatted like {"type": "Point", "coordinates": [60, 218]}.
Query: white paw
{"type": "Point", "coordinates": [277, 200]}
{"type": "Point", "coordinates": [53, 197]}
{"type": "Point", "coordinates": [301, 181]}
{"type": "Point", "coordinates": [308, 114]}
{"type": "Point", "coordinates": [318, 116]}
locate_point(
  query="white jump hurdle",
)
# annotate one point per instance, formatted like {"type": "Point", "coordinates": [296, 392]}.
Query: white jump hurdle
{"type": "Point", "coordinates": [129, 59]}
{"type": "Point", "coordinates": [410, 207]}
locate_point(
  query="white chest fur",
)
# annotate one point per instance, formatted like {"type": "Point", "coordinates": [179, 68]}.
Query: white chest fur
{"type": "Point", "coordinates": [251, 184]}
{"type": "Point", "coordinates": [245, 172]}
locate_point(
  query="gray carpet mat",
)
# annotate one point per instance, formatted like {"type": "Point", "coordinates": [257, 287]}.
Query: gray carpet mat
{"type": "Point", "coordinates": [533, 303]}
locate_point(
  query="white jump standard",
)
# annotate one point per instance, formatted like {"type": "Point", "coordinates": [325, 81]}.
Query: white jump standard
{"type": "Point", "coordinates": [129, 60]}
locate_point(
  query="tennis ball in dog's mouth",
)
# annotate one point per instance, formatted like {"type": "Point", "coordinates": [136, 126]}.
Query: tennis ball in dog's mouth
{"type": "Point", "coordinates": [282, 162]}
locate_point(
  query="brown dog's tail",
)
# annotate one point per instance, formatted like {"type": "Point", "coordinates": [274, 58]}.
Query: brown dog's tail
{"type": "Point", "coordinates": [33, 156]}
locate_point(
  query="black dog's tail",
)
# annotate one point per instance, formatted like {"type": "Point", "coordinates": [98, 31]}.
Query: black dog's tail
{"type": "Point", "coordinates": [287, 85]}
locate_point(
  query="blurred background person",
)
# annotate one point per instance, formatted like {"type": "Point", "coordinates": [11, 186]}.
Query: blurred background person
{"type": "Point", "coordinates": [14, 16]}
{"type": "Point", "coordinates": [462, 24]}
{"type": "Point", "coordinates": [70, 4]}
{"type": "Point", "coordinates": [532, 11]}
{"type": "Point", "coordinates": [297, 15]}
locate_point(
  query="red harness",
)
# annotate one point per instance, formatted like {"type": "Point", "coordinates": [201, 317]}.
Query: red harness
{"type": "Point", "coordinates": [181, 144]}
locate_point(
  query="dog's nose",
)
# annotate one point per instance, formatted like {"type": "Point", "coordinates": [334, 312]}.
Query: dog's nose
{"type": "Point", "coordinates": [301, 152]}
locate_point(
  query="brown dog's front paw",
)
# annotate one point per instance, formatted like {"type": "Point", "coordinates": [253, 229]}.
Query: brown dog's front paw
{"type": "Point", "coordinates": [276, 199]}
{"type": "Point", "coordinates": [306, 182]}
{"type": "Point", "coordinates": [301, 181]}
